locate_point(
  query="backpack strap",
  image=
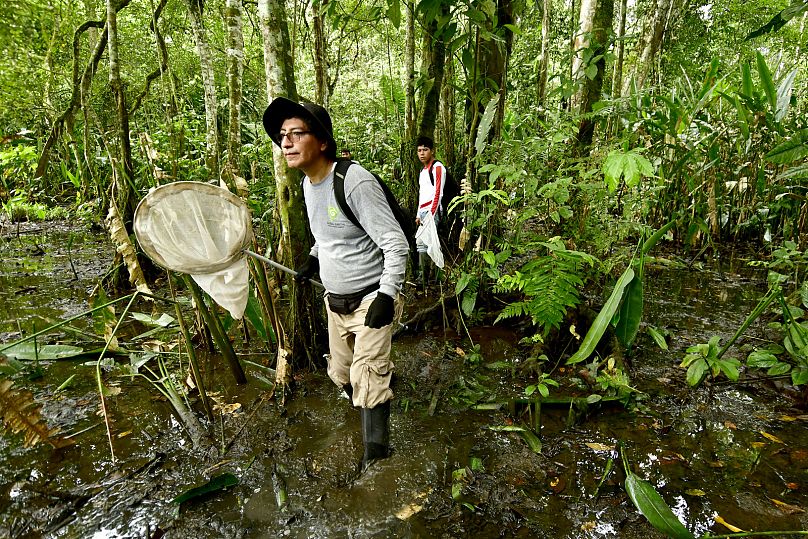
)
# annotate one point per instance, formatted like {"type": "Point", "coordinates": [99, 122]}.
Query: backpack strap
{"type": "Point", "coordinates": [339, 190]}
{"type": "Point", "coordinates": [431, 177]}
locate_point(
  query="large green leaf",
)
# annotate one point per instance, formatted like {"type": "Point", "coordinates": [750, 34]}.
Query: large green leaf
{"type": "Point", "coordinates": [779, 20]}
{"type": "Point", "coordinates": [784, 95]}
{"type": "Point", "coordinates": [485, 124]}
{"type": "Point", "coordinates": [794, 149]}
{"type": "Point", "coordinates": [630, 312]}
{"type": "Point", "coordinates": [767, 82]}
{"type": "Point", "coordinates": [648, 501]}
{"type": "Point", "coordinates": [27, 350]}
{"type": "Point", "coordinates": [603, 319]}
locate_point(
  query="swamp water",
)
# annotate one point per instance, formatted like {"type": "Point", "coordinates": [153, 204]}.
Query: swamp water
{"type": "Point", "coordinates": [734, 450]}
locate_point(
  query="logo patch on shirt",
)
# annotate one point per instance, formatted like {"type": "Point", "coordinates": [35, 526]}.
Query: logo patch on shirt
{"type": "Point", "coordinates": [333, 213]}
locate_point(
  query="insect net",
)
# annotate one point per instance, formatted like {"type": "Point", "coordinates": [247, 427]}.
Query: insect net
{"type": "Point", "coordinates": [201, 230]}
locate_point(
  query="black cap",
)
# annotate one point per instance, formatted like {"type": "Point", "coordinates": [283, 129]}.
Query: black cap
{"type": "Point", "coordinates": [281, 109]}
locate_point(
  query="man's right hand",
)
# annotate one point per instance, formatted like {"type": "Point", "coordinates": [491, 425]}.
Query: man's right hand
{"type": "Point", "coordinates": [308, 269]}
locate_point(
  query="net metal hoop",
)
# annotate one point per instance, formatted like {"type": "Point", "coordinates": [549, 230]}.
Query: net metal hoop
{"type": "Point", "coordinates": [193, 227]}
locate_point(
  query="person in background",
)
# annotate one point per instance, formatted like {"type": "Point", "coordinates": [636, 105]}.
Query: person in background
{"type": "Point", "coordinates": [362, 269]}
{"type": "Point", "coordinates": [430, 193]}
{"type": "Point", "coordinates": [346, 153]}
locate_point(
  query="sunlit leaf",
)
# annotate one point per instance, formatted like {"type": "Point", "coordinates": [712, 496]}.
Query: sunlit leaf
{"type": "Point", "coordinates": [603, 319]}
{"type": "Point", "coordinates": [648, 501]}
{"type": "Point", "coordinates": [727, 525]}
{"type": "Point", "coordinates": [599, 447]}
{"type": "Point", "coordinates": [485, 124]}
{"type": "Point", "coordinates": [791, 150]}
{"type": "Point", "coordinates": [772, 437]}
{"type": "Point", "coordinates": [658, 337]}
{"type": "Point", "coordinates": [696, 372]}
{"type": "Point", "coordinates": [767, 82]}
{"type": "Point", "coordinates": [31, 351]}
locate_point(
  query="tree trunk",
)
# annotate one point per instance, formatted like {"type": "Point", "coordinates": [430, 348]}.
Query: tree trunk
{"type": "Point", "coordinates": [75, 99]}
{"type": "Point", "coordinates": [592, 88]}
{"type": "Point", "coordinates": [209, 86]}
{"type": "Point", "coordinates": [124, 196]}
{"type": "Point", "coordinates": [432, 63]}
{"type": "Point", "coordinates": [583, 35]}
{"type": "Point", "coordinates": [544, 63]}
{"type": "Point", "coordinates": [652, 42]}
{"type": "Point", "coordinates": [447, 113]}
{"type": "Point", "coordinates": [235, 62]}
{"type": "Point", "coordinates": [305, 327]}
{"type": "Point", "coordinates": [321, 93]}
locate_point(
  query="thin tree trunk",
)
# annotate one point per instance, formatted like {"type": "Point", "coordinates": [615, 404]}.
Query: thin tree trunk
{"type": "Point", "coordinates": [586, 18]}
{"type": "Point", "coordinates": [592, 88]}
{"type": "Point", "coordinates": [409, 161]}
{"type": "Point", "coordinates": [652, 42]}
{"type": "Point", "coordinates": [125, 197]}
{"type": "Point", "coordinates": [447, 113]}
{"type": "Point", "coordinates": [305, 328]}
{"type": "Point", "coordinates": [67, 116]}
{"type": "Point", "coordinates": [544, 63]}
{"type": "Point", "coordinates": [432, 63]}
{"type": "Point", "coordinates": [321, 93]}
{"type": "Point", "coordinates": [209, 86]}
{"type": "Point", "coordinates": [235, 62]}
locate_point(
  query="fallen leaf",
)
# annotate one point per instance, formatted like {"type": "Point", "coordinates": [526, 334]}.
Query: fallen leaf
{"type": "Point", "coordinates": [695, 492]}
{"type": "Point", "coordinates": [726, 524]}
{"type": "Point", "coordinates": [730, 425]}
{"type": "Point", "coordinates": [758, 445]}
{"type": "Point", "coordinates": [786, 508]}
{"type": "Point", "coordinates": [460, 352]}
{"type": "Point", "coordinates": [788, 418]}
{"type": "Point", "coordinates": [772, 437]}
{"type": "Point", "coordinates": [792, 486]}
{"type": "Point", "coordinates": [599, 447]}
{"type": "Point", "coordinates": [124, 434]}
{"type": "Point", "coordinates": [588, 526]}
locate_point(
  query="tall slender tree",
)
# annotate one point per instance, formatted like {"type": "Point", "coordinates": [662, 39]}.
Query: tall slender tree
{"type": "Point", "coordinates": [235, 62]}
{"type": "Point", "coordinates": [304, 327]}
{"type": "Point", "coordinates": [195, 10]}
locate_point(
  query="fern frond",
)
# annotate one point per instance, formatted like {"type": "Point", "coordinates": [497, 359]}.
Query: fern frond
{"type": "Point", "coordinates": [550, 285]}
{"type": "Point", "coordinates": [21, 414]}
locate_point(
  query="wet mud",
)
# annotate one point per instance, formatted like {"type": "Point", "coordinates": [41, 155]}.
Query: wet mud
{"type": "Point", "coordinates": [733, 450]}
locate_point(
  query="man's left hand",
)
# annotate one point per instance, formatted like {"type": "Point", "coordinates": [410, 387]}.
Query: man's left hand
{"type": "Point", "coordinates": [380, 312]}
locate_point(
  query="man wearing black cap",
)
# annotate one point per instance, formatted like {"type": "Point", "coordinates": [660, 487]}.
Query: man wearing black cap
{"type": "Point", "coordinates": [362, 269]}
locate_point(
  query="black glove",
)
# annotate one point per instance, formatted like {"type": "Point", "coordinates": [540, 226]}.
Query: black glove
{"type": "Point", "coordinates": [380, 312]}
{"type": "Point", "coordinates": [308, 269]}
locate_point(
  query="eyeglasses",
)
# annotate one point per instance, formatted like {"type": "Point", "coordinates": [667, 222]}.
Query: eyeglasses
{"type": "Point", "coordinates": [293, 136]}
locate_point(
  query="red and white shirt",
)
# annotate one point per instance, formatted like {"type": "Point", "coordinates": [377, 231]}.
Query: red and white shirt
{"type": "Point", "coordinates": [429, 195]}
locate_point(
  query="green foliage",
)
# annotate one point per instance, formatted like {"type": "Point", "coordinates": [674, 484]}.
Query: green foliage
{"type": "Point", "coordinates": [550, 283]}
{"type": "Point", "coordinates": [629, 166]}
{"type": "Point", "coordinates": [704, 359]}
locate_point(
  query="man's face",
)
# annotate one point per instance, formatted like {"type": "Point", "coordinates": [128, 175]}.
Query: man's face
{"type": "Point", "coordinates": [424, 154]}
{"type": "Point", "coordinates": [304, 152]}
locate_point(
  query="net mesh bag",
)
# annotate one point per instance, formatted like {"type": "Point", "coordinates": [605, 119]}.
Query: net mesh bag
{"type": "Point", "coordinates": [202, 230]}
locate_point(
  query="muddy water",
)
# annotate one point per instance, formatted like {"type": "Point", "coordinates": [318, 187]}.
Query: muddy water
{"type": "Point", "coordinates": [708, 452]}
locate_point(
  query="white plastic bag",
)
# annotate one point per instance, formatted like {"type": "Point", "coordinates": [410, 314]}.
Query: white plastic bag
{"type": "Point", "coordinates": [427, 233]}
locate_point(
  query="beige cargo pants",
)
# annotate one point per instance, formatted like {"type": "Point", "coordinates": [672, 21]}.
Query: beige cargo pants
{"type": "Point", "coordinates": [360, 355]}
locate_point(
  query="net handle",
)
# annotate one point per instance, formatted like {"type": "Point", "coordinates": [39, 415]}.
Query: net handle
{"type": "Point", "coordinates": [280, 267]}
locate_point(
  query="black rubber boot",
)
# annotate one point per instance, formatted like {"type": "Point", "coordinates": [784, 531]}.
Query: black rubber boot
{"type": "Point", "coordinates": [376, 433]}
{"type": "Point", "coordinates": [423, 269]}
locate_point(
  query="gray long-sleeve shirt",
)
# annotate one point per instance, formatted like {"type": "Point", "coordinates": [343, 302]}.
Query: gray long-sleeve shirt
{"type": "Point", "coordinates": [351, 258]}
